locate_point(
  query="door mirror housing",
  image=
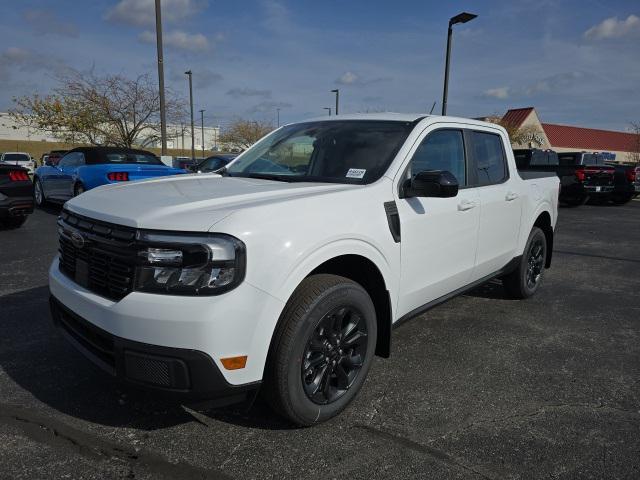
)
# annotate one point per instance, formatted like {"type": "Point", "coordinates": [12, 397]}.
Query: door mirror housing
{"type": "Point", "coordinates": [431, 183]}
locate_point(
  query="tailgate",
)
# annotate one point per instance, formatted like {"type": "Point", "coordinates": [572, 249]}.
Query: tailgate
{"type": "Point", "coordinates": [598, 176]}
{"type": "Point", "coordinates": [13, 188]}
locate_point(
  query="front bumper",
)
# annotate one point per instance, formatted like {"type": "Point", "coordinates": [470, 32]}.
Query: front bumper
{"type": "Point", "coordinates": [15, 206]}
{"type": "Point", "coordinates": [239, 322]}
{"type": "Point", "coordinates": [178, 372]}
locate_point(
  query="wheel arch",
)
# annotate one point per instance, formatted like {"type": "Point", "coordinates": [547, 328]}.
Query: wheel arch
{"type": "Point", "coordinates": [543, 222]}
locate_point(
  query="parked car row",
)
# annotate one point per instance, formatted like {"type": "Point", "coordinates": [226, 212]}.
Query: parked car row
{"type": "Point", "coordinates": [583, 176]}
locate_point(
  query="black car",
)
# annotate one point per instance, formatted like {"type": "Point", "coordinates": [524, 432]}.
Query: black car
{"type": "Point", "coordinates": [583, 175]}
{"type": "Point", "coordinates": [16, 195]}
{"type": "Point", "coordinates": [626, 182]}
{"type": "Point", "coordinates": [212, 164]}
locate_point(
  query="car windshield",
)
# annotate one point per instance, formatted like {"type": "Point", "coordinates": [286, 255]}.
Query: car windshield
{"type": "Point", "coordinates": [341, 151]}
{"type": "Point", "coordinates": [132, 157]}
{"type": "Point", "coordinates": [16, 157]}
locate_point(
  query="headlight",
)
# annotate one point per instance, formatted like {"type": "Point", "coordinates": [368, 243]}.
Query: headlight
{"type": "Point", "coordinates": [185, 264]}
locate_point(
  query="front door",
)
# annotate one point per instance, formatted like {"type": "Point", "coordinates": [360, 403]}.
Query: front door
{"type": "Point", "coordinates": [438, 235]}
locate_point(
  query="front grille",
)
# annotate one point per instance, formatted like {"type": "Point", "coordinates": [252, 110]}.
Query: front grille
{"type": "Point", "coordinates": [105, 264]}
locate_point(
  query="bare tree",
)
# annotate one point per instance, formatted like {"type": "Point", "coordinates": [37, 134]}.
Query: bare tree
{"type": "Point", "coordinates": [244, 133]}
{"type": "Point", "coordinates": [526, 135]}
{"type": "Point", "coordinates": [99, 110]}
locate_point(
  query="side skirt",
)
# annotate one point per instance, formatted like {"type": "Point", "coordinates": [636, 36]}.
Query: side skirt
{"type": "Point", "coordinates": [508, 268]}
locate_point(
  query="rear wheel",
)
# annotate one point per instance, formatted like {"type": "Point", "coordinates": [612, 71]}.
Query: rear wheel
{"type": "Point", "coordinates": [38, 194]}
{"type": "Point", "coordinates": [524, 281]}
{"type": "Point", "coordinates": [322, 350]}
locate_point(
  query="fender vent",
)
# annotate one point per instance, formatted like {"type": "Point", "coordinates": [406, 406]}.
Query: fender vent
{"type": "Point", "coordinates": [391, 209]}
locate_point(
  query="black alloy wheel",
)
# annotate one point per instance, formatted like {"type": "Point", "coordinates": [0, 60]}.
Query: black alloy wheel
{"type": "Point", "coordinates": [535, 262]}
{"type": "Point", "coordinates": [334, 355]}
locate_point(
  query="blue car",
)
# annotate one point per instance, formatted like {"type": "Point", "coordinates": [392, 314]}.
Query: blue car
{"type": "Point", "coordinates": [85, 168]}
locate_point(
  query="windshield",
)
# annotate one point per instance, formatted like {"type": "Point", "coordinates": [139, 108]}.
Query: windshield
{"type": "Point", "coordinates": [349, 151]}
{"type": "Point", "coordinates": [131, 157]}
{"type": "Point", "coordinates": [16, 157]}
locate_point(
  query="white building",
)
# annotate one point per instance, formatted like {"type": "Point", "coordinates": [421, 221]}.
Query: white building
{"type": "Point", "coordinates": [178, 136]}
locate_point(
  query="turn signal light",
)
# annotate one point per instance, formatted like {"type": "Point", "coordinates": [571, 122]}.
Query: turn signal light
{"type": "Point", "coordinates": [632, 174]}
{"type": "Point", "coordinates": [118, 176]}
{"type": "Point", "coordinates": [234, 363]}
{"type": "Point", "coordinates": [580, 175]}
{"type": "Point", "coordinates": [18, 176]}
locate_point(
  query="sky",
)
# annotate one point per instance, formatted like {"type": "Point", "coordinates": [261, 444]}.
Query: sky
{"type": "Point", "coordinates": [577, 62]}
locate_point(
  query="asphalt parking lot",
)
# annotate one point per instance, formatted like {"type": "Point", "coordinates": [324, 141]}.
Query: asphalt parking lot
{"type": "Point", "coordinates": [480, 387]}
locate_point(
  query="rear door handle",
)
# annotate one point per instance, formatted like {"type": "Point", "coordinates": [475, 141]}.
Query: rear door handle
{"type": "Point", "coordinates": [511, 196]}
{"type": "Point", "coordinates": [466, 205]}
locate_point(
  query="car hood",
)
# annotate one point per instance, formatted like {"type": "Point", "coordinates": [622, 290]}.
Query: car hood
{"type": "Point", "coordinates": [187, 202]}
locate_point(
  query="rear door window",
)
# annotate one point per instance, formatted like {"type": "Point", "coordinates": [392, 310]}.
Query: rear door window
{"type": "Point", "coordinates": [489, 157]}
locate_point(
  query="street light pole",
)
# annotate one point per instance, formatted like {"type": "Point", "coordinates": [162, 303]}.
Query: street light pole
{"type": "Point", "coordinates": [202, 129]}
{"type": "Point", "coordinates": [163, 115]}
{"type": "Point", "coordinates": [463, 17]}
{"type": "Point", "coordinates": [193, 146]}
{"type": "Point", "coordinates": [337, 92]}
{"type": "Point", "coordinates": [327, 108]}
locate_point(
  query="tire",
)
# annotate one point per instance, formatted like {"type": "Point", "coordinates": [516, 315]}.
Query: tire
{"type": "Point", "coordinates": [38, 194]}
{"type": "Point", "coordinates": [525, 280]}
{"type": "Point", "coordinates": [621, 198]}
{"type": "Point", "coordinates": [78, 189]}
{"type": "Point", "coordinates": [308, 354]}
{"type": "Point", "coordinates": [14, 222]}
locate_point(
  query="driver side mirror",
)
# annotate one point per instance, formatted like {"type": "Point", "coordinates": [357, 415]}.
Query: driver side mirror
{"type": "Point", "coordinates": [430, 183]}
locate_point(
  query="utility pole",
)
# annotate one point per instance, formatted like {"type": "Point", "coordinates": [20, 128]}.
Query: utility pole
{"type": "Point", "coordinates": [163, 115]}
{"type": "Point", "coordinates": [327, 108]}
{"type": "Point", "coordinates": [193, 142]}
{"type": "Point", "coordinates": [337, 92]}
{"type": "Point", "coordinates": [202, 129]}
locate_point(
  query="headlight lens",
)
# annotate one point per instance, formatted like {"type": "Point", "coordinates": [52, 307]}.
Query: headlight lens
{"type": "Point", "coordinates": [184, 264]}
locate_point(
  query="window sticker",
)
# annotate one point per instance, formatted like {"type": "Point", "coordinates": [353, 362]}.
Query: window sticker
{"type": "Point", "coordinates": [356, 172]}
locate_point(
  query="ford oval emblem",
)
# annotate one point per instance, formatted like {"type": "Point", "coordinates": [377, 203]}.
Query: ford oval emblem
{"type": "Point", "coordinates": [77, 239]}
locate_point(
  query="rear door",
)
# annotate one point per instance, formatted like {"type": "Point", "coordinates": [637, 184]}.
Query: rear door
{"type": "Point", "coordinates": [500, 202]}
{"type": "Point", "coordinates": [438, 235]}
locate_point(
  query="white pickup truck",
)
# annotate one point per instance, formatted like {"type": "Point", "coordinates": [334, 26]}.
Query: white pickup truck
{"type": "Point", "coordinates": [289, 270]}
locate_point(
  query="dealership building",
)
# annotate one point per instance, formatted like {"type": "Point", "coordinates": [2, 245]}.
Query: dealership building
{"type": "Point", "coordinates": [618, 146]}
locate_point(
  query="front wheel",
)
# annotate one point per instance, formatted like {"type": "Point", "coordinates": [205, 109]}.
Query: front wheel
{"type": "Point", "coordinates": [525, 280]}
{"type": "Point", "coordinates": [322, 349]}
{"type": "Point", "coordinates": [38, 194]}
{"type": "Point", "coordinates": [78, 189]}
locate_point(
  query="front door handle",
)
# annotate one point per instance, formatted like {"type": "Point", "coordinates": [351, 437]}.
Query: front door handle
{"type": "Point", "coordinates": [511, 196]}
{"type": "Point", "coordinates": [466, 205]}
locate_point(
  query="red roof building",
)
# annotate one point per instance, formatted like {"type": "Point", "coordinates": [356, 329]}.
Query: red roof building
{"type": "Point", "coordinates": [564, 138]}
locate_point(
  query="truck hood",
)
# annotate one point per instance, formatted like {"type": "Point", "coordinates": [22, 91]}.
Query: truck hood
{"type": "Point", "coordinates": [187, 202]}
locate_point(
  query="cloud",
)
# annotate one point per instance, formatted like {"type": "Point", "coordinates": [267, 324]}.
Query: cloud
{"type": "Point", "coordinates": [141, 13]}
{"type": "Point", "coordinates": [276, 16]}
{"type": "Point", "coordinates": [19, 59]}
{"type": "Point", "coordinates": [195, 42]}
{"type": "Point", "coordinates": [46, 22]}
{"type": "Point", "coordinates": [248, 92]}
{"type": "Point", "coordinates": [500, 92]}
{"type": "Point", "coordinates": [614, 28]}
{"type": "Point", "coordinates": [268, 106]}
{"type": "Point", "coordinates": [350, 78]}
{"type": "Point", "coordinates": [552, 84]}
{"type": "Point", "coordinates": [347, 78]}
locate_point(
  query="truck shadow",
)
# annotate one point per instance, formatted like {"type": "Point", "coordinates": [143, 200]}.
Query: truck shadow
{"type": "Point", "coordinates": [38, 360]}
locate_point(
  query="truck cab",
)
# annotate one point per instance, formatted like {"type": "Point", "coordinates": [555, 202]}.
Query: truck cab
{"type": "Point", "coordinates": [288, 270]}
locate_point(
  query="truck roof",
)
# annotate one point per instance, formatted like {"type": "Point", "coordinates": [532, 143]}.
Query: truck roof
{"type": "Point", "coordinates": [400, 117]}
